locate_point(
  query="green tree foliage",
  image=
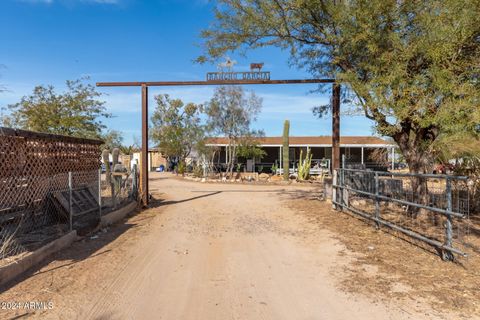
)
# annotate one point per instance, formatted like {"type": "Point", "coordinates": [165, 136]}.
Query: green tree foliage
{"type": "Point", "coordinates": [230, 114]}
{"type": "Point", "coordinates": [411, 66]}
{"type": "Point", "coordinates": [248, 146]}
{"type": "Point", "coordinates": [112, 139]}
{"type": "Point", "coordinates": [177, 127]}
{"type": "Point", "coordinates": [75, 112]}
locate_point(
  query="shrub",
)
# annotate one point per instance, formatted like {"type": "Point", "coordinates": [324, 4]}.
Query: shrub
{"type": "Point", "coordinates": [181, 168]}
{"type": "Point", "coordinates": [198, 171]}
{"type": "Point", "coordinates": [274, 168]}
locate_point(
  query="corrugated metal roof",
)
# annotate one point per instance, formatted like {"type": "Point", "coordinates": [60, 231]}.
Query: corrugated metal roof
{"type": "Point", "coordinates": [309, 140]}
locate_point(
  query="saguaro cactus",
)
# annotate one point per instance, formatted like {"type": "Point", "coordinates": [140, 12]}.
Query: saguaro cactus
{"type": "Point", "coordinates": [115, 155]}
{"type": "Point", "coordinates": [117, 179]}
{"type": "Point", "coordinates": [286, 147]}
{"type": "Point", "coordinates": [106, 162]}
{"type": "Point", "coordinates": [108, 174]}
{"type": "Point", "coordinates": [114, 181]}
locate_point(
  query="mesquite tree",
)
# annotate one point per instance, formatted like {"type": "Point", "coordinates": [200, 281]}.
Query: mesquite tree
{"type": "Point", "coordinates": [176, 127]}
{"type": "Point", "coordinates": [76, 112]}
{"type": "Point", "coordinates": [230, 113]}
{"type": "Point", "coordinates": [413, 67]}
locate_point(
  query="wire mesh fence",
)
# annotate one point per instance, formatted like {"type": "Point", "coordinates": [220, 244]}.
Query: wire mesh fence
{"type": "Point", "coordinates": [49, 185]}
{"type": "Point", "coordinates": [37, 210]}
{"type": "Point", "coordinates": [434, 209]}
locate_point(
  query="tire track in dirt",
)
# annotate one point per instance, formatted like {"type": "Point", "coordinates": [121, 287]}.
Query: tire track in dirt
{"type": "Point", "coordinates": [221, 251]}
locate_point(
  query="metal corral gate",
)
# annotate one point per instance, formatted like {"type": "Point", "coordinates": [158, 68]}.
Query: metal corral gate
{"type": "Point", "coordinates": [427, 207]}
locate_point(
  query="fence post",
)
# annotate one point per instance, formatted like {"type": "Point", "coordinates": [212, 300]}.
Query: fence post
{"type": "Point", "coordinates": [334, 189]}
{"type": "Point", "coordinates": [342, 185]}
{"type": "Point", "coordinates": [447, 254]}
{"type": "Point", "coordinates": [377, 202]}
{"type": "Point", "coordinates": [345, 191]}
{"type": "Point", "coordinates": [70, 209]}
{"type": "Point", "coordinates": [100, 193]}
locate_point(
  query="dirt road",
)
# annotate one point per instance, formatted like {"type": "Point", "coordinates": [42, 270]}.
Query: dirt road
{"type": "Point", "coordinates": [208, 251]}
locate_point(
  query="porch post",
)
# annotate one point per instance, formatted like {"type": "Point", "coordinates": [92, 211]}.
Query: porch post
{"type": "Point", "coordinates": [362, 155]}
{"type": "Point", "coordinates": [280, 156]}
{"type": "Point", "coordinates": [393, 158]}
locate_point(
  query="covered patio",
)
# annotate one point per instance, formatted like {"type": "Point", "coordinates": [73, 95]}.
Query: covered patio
{"type": "Point", "coordinates": [357, 150]}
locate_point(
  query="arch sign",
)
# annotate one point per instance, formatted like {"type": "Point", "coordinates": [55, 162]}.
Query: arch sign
{"type": "Point", "coordinates": [225, 76]}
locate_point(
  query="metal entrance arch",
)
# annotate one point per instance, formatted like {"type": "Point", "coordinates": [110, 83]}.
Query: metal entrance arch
{"type": "Point", "coordinates": [145, 85]}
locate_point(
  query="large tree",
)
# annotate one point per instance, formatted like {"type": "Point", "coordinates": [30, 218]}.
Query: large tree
{"type": "Point", "coordinates": [75, 112]}
{"type": "Point", "coordinates": [177, 127]}
{"type": "Point", "coordinates": [230, 113]}
{"type": "Point", "coordinates": [413, 67]}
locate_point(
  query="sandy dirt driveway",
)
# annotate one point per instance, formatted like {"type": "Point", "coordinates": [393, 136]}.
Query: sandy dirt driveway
{"type": "Point", "coordinates": [205, 251]}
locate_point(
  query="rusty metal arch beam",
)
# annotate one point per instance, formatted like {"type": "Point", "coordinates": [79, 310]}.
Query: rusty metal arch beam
{"type": "Point", "coordinates": [144, 87]}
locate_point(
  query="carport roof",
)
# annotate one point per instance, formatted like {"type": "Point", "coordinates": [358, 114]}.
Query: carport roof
{"type": "Point", "coordinates": [311, 141]}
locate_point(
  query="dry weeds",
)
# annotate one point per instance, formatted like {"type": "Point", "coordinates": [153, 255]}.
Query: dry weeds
{"type": "Point", "coordinates": [390, 266]}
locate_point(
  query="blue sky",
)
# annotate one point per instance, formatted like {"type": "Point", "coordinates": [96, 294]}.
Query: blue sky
{"type": "Point", "coordinates": [50, 41]}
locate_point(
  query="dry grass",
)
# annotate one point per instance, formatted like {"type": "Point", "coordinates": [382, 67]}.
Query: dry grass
{"type": "Point", "coordinates": [390, 266]}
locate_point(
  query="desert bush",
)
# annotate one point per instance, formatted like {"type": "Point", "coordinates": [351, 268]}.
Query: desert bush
{"type": "Point", "coordinates": [181, 168]}
{"type": "Point", "coordinates": [274, 168]}
{"type": "Point", "coordinates": [197, 171]}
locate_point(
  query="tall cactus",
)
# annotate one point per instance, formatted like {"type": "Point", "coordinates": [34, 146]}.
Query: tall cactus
{"type": "Point", "coordinates": [115, 155]}
{"type": "Point", "coordinates": [117, 167]}
{"type": "Point", "coordinates": [106, 162]}
{"type": "Point", "coordinates": [286, 147]}
{"type": "Point", "coordinates": [114, 181]}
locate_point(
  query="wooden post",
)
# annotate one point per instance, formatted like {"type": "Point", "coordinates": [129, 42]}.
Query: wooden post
{"type": "Point", "coordinates": [336, 126]}
{"type": "Point", "coordinates": [393, 158]}
{"type": "Point", "coordinates": [144, 155]}
{"type": "Point", "coordinates": [280, 156]}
